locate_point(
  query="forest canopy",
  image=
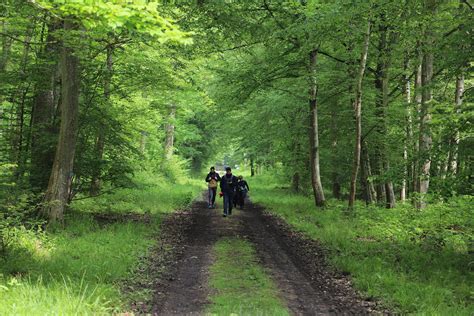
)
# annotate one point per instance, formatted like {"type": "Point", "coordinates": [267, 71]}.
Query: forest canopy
{"type": "Point", "coordinates": [366, 100]}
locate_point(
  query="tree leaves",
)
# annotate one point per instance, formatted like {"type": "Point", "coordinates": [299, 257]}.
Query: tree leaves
{"type": "Point", "coordinates": [117, 16]}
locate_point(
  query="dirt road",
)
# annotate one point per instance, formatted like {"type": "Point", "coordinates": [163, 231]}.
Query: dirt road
{"type": "Point", "coordinates": [295, 263]}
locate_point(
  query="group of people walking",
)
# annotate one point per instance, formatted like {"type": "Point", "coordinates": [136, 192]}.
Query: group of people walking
{"type": "Point", "coordinates": [233, 189]}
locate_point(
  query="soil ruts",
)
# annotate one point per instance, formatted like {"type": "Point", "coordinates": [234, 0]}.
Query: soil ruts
{"type": "Point", "coordinates": [297, 264]}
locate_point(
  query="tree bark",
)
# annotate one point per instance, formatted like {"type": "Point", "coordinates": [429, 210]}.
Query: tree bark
{"type": "Point", "coordinates": [60, 180]}
{"type": "Point", "coordinates": [295, 179]}
{"type": "Point", "coordinates": [314, 132]}
{"type": "Point", "coordinates": [100, 140]}
{"type": "Point", "coordinates": [385, 187]}
{"type": "Point", "coordinates": [336, 185]}
{"type": "Point", "coordinates": [169, 141]}
{"type": "Point", "coordinates": [409, 136]}
{"type": "Point", "coordinates": [252, 167]}
{"type": "Point", "coordinates": [357, 114]}
{"type": "Point", "coordinates": [42, 116]}
{"type": "Point", "coordinates": [458, 96]}
{"type": "Point", "coordinates": [425, 139]}
{"type": "Point", "coordinates": [365, 175]}
{"type": "Point", "coordinates": [416, 144]}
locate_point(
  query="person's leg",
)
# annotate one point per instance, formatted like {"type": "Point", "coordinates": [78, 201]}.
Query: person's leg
{"type": "Point", "coordinates": [234, 200]}
{"type": "Point", "coordinates": [231, 198]}
{"type": "Point", "coordinates": [214, 192]}
{"type": "Point", "coordinates": [226, 203]}
{"type": "Point", "coordinates": [242, 199]}
{"type": "Point", "coordinates": [209, 197]}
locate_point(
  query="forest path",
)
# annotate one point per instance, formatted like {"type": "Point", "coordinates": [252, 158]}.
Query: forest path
{"type": "Point", "coordinates": [295, 263]}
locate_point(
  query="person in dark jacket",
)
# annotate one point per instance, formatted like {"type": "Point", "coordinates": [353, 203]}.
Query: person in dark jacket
{"type": "Point", "coordinates": [228, 188]}
{"type": "Point", "coordinates": [242, 189]}
{"type": "Point", "coordinates": [212, 179]}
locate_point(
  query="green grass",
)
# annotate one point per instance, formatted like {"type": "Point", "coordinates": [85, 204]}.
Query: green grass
{"type": "Point", "coordinates": [79, 269]}
{"type": "Point", "coordinates": [240, 285]}
{"type": "Point", "coordinates": [415, 261]}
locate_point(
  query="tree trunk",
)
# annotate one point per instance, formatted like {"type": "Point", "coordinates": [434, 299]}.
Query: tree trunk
{"type": "Point", "coordinates": [169, 141]}
{"type": "Point", "coordinates": [416, 143]}
{"type": "Point", "coordinates": [385, 187]}
{"type": "Point", "coordinates": [409, 136]}
{"type": "Point", "coordinates": [357, 114]}
{"type": "Point", "coordinates": [100, 140]}
{"type": "Point", "coordinates": [42, 116]}
{"type": "Point", "coordinates": [389, 192]}
{"type": "Point", "coordinates": [365, 175]}
{"type": "Point", "coordinates": [314, 132]}
{"type": "Point", "coordinates": [453, 161]}
{"type": "Point", "coordinates": [252, 167]}
{"type": "Point", "coordinates": [425, 139]}
{"type": "Point", "coordinates": [371, 187]}
{"type": "Point", "coordinates": [58, 188]}
{"type": "Point", "coordinates": [379, 151]}
{"type": "Point", "coordinates": [336, 185]}
{"type": "Point", "coordinates": [295, 179]}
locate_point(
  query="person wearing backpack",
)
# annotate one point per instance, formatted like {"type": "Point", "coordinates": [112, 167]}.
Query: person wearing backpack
{"type": "Point", "coordinates": [242, 189]}
{"type": "Point", "coordinates": [212, 178]}
{"type": "Point", "coordinates": [228, 189]}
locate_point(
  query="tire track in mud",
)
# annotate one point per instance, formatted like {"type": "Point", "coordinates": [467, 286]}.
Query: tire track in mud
{"type": "Point", "coordinates": [295, 263]}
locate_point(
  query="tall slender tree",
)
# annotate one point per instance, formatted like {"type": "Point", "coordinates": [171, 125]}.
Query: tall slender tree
{"type": "Point", "coordinates": [425, 139]}
{"type": "Point", "coordinates": [314, 132]}
{"type": "Point", "coordinates": [358, 114]}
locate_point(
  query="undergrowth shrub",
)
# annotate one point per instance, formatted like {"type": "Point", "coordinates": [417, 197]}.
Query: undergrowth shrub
{"type": "Point", "coordinates": [16, 211]}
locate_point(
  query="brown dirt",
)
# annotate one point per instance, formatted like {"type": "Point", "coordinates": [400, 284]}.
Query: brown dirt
{"type": "Point", "coordinates": [177, 269]}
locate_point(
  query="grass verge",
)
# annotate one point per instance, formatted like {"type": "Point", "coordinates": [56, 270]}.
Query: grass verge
{"type": "Point", "coordinates": [414, 261]}
{"type": "Point", "coordinates": [79, 269]}
{"type": "Point", "coordinates": [240, 284]}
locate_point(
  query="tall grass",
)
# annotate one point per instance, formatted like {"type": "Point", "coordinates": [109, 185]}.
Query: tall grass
{"type": "Point", "coordinates": [79, 269]}
{"type": "Point", "coordinates": [415, 261]}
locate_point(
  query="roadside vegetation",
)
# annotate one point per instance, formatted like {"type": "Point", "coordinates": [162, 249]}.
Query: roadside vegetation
{"type": "Point", "coordinates": [414, 261]}
{"type": "Point", "coordinates": [80, 269]}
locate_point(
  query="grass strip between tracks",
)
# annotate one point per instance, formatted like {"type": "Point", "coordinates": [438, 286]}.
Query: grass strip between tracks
{"type": "Point", "coordinates": [240, 285]}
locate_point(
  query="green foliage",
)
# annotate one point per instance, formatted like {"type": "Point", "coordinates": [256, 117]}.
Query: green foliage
{"type": "Point", "coordinates": [415, 261]}
{"type": "Point", "coordinates": [136, 17]}
{"type": "Point", "coordinates": [241, 97]}
{"type": "Point", "coordinates": [68, 271]}
{"type": "Point", "coordinates": [150, 195]}
{"type": "Point", "coordinates": [15, 211]}
{"type": "Point", "coordinates": [241, 285]}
